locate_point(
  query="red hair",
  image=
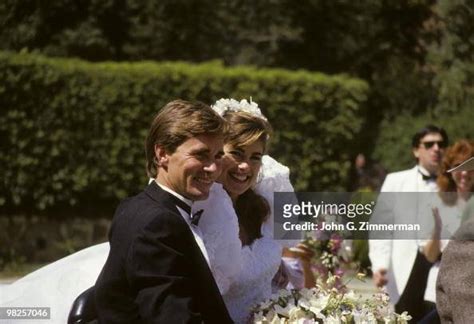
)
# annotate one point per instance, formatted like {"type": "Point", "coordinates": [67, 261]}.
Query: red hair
{"type": "Point", "coordinates": [455, 154]}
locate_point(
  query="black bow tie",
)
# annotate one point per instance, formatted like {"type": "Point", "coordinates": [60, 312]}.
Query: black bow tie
{"type": "Point", "coordinates": [196, 217]}
{"type": "Point", "coordinates": [428, 177]}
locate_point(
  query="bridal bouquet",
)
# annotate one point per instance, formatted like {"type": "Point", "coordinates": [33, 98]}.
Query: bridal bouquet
{"type": "Point", "coordinates": [331, 254]}
{"type": "Point", "coordinates": [326, 305]}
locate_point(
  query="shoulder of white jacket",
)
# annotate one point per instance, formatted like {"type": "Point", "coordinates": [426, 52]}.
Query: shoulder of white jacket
{"type": "Point", "coordinates": [395, 178]}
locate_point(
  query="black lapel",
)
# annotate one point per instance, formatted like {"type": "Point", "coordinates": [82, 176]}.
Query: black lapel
{"type": "Point", "coordinates": [163, 197]}
{"type": "Point", "coordinates": [204, 279]}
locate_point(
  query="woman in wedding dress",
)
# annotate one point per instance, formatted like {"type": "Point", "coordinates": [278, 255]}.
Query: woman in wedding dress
{"type": "Point", "coordinates": [244, 148]}
{"type": "Point", "coordinates": [236, 226]}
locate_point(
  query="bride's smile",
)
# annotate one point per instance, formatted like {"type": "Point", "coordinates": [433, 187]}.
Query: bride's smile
{"type": "Point", "coordinates": [241, 166]}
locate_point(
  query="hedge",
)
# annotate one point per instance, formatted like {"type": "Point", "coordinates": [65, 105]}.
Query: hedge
{"type": "Point", "coordinates": [72, 132]}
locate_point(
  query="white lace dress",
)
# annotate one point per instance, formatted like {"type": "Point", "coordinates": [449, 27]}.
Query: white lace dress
{"type": "Point", "coordinates": [274, 177]}
{"type": "Point", "coordinates": [220, 231]}
{"type": "Point", "coordinates": [259, 261]}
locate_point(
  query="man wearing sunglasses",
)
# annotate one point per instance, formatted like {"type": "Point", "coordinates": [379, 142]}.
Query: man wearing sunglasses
{"type": "Point", "coordinates": [428, 148]}
{"type": "Point", "coordinates": [398, 264]}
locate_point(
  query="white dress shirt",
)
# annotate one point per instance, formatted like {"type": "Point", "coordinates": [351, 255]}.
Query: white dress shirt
{"type": "Point", "coordinates": [425, 185]}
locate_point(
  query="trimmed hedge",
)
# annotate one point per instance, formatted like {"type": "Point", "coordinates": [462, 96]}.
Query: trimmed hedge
{"type": "Point", "coordinates": [72, 132]}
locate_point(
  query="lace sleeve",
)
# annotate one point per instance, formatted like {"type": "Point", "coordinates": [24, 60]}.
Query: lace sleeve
{"type": "Point", "coordinates": [261, 260]}
{"type": "Point", "coordinates": [275, 177]}
{"type": "Point", "coordinates": [220, 229]}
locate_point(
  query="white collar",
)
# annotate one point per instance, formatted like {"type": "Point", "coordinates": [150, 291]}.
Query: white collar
{"type": "Point", "coordinates": [188, 202]}
{"type": "Point", "coordinates": [423, 171]}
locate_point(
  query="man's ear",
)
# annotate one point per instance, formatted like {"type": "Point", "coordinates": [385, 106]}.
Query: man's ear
{"type": "Point", "coordinates": [415, 152]}
{"type": "Point", "coordinates": [161, 156]}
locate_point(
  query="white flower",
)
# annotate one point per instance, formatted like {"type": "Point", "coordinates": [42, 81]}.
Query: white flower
{"type": "Point", "coordinates": [404, 318]}
{"type": "Point", "coordinates": [305, 321]}
{"type": "Point", "coordinates": [265, 304]}
{"type": "Point", "coordinates": [364, 317]}
{"type": "Point", "coordinates": [258, 318]}
{"type": "Point", "coordinates": [308, 306]}
{"type": "Point", "coordinates": [351, 296]}
{"type": "Point", "coordinates": [271, 315]}
{"type": "Point", "coordinates": [332, 320]}
{"type": "Point", "coordinates": [332, 279]}
{"type": "Point", "coordinates": [284, 293]}
{"type": "Point", "coordinates": [307, 293]}
{"type": "Point", "coordinates": [277, 320]}
{"type": "Point", "coordinates": [285, 311]}
{"type": "Point", "coordinates": [387, 320]}
{"type": "Point", "coordinates": [297, 314]}
{"type": "Point", "coordinates": [315, 304]}
{"type": "Point", "coordinates": [371, 318]}
{"type": "Point", "coordinates": [223, 105]}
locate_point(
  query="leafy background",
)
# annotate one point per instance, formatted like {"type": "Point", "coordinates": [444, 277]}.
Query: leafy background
{"type": "Point", "coordinates": [335, 77]}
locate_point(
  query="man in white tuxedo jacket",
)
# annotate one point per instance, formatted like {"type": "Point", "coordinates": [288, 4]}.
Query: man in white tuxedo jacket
{"type": "Point", "coordinates": [393, 260]}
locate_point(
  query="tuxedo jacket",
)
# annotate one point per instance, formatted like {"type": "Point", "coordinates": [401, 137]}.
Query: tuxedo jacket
{"type": "Point", "coordinates": [155, 271]}
{"type": "Point", "coordinates": [398, 256]}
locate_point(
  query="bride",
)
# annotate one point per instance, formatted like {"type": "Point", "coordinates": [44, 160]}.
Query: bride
{"type": "Point", "coordinates": [236, 227]}
{"type": "Point", "coordinates": [245, 143]}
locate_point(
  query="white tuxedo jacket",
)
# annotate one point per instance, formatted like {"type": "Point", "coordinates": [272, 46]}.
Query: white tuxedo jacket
{"type": "Point", "coordinates": [398, 256]}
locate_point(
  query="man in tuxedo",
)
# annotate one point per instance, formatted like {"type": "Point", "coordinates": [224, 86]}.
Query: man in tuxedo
{"type": "Point", "coordinates": [397, 263]}
{"type": "Point", "coordinates": [157, 270]}
{"type": "Point", "coordinates": [455, 284]}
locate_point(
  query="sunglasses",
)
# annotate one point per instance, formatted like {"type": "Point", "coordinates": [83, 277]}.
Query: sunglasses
{"type": "Point", "coordinates": [430, 144]}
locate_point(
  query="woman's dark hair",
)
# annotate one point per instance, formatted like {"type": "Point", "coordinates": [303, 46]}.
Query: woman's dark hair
{"type": "Point", "coordinates": [252, 210]}
{"type": "Point", "coordinates": [245, 129]}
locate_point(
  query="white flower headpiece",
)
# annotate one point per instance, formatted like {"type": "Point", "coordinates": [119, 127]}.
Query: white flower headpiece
{"type": "Point", "coordinates": [223, 105]}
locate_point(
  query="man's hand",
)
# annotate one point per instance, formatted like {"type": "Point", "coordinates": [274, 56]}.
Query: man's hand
{"type": "Point", "coordinates": [380, 277]}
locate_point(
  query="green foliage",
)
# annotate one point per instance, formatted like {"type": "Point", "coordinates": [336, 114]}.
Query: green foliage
{"type": "Point", "coordinates": [450, 59]}
{"type": "Point", "coordinates": [236, 31]}
{"type": "Point", "coordinates": [72, 133]}
{"type": "Point", "coordinates": [453, 56]}
{"type": "Point", "coordinates": [393, 147]}
{"type": "Point", "coordinates": [33, 240]}
{"type": "Point", "coordinates": [381, 42]}
{"type": "Point", "coordinates": [360, 37]}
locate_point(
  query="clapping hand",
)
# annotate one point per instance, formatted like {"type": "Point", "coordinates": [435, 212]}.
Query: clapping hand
{"type": "Point", "coordinates": [438, 223]}
{"type": "Point", "coordinates": [380, 277]}
{"type": "Point", "coordinates": [432, 248]}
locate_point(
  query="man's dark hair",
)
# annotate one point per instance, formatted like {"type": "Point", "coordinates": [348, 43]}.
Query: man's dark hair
{"type": "Point", "coordinates": [428, 129]}
{"type": "Point", "coordinates": [176, 122]}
